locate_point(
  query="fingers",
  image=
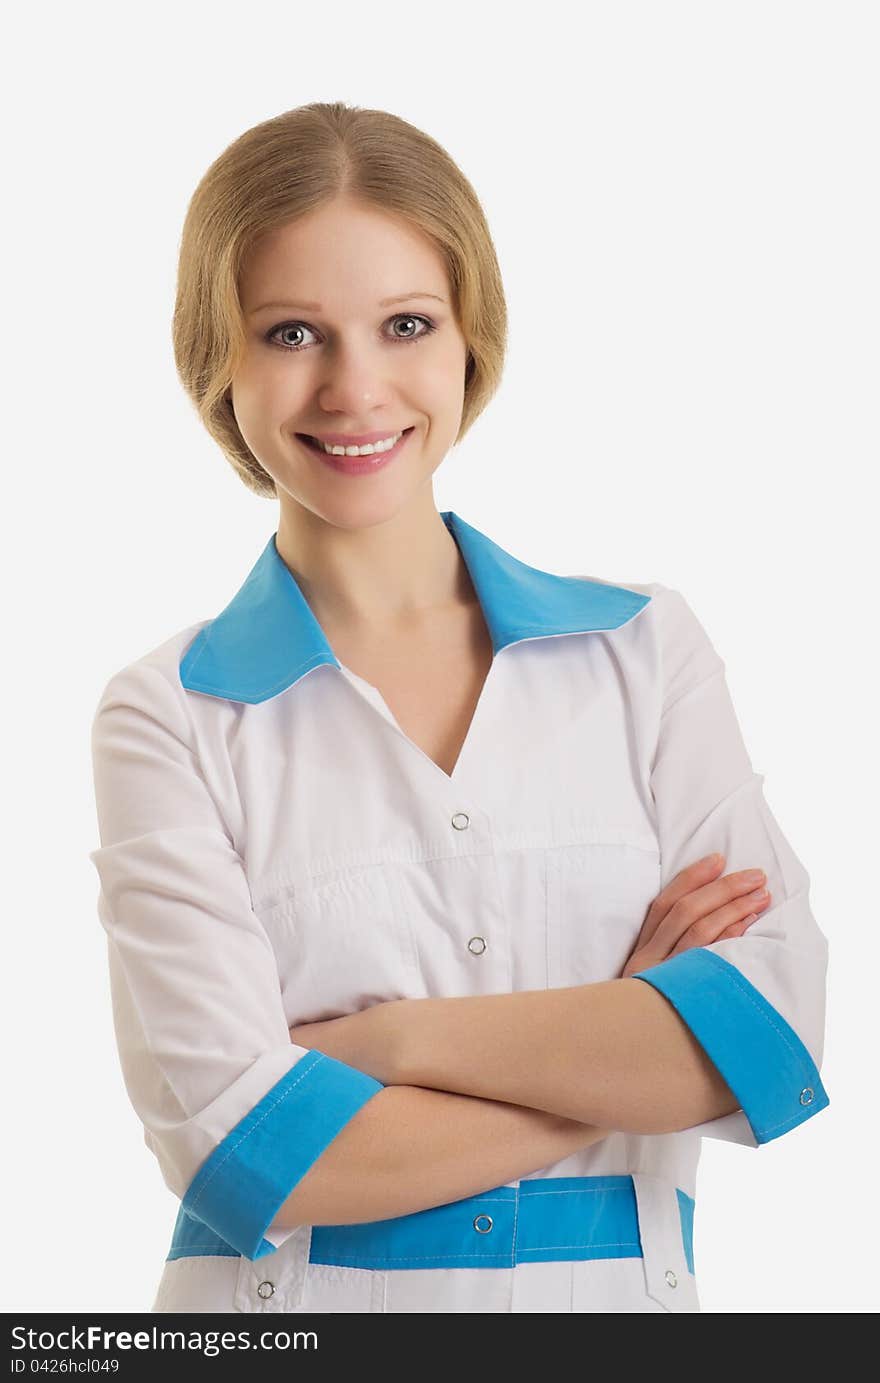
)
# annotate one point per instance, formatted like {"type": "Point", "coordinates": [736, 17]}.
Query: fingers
{"type": "Point", "coordinates": [690, 913]}
{"type": "Point", "coordinates": [737, 928]}
{"type": "Point", "coordinates": [700, 917]}
{"type": "Point", "coordinates": [731, 920]}
{"type": "Point", "coordinates": [702, 872]}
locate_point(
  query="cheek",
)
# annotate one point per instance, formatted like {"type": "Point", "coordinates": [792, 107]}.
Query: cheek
{"type": "Point", "coordinates": [450, 367]}
{"type": "Point", "coordinates": [266, 380]}
{"type": "Point", "coordinates": [267, 404]}
{"type": "Point", "coordinates": [436, 387]}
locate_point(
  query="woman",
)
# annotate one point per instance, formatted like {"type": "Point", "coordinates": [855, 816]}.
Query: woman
{"type": "Point", "coordinates": [427, 981]}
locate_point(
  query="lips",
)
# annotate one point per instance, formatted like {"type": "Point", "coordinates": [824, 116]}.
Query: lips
{"type": "Point", "coordinates": [358, 465]}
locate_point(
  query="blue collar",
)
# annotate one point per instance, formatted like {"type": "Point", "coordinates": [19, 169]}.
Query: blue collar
{"type": "Point", "coordinates": [267, 638]}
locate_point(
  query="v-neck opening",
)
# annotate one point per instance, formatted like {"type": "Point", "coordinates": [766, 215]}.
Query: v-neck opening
{"type": "Point", "coordinates": [377, 700]}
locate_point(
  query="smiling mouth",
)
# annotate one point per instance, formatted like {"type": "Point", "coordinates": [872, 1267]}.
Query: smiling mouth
{"type": "Point", "coordinates": [319, 446]}
{"type": "Point", "coordinates": [361, 464]}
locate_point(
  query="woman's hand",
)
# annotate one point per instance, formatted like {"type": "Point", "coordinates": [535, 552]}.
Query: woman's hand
{"type": "Point", "coordinates": [694, 909]}
{"type": "Point", "coordinates": [370, 1040]}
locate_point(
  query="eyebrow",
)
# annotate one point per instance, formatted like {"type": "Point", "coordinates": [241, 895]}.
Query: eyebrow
{"type": "Point", "coordinates": [316, 307]}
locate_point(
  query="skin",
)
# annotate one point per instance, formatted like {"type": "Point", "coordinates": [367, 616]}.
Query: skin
{"type": "Point", "coordinates": [370, 552]}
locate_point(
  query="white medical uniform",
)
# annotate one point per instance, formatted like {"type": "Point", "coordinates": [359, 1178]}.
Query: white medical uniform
{"type": "Point", "coordinates": [275, 850]}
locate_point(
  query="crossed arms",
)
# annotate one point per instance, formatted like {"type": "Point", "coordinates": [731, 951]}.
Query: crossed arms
{"type": "Point", "coordinates": [613, 1054]}
{"type": "Point", "coordinates": [482, 1090]}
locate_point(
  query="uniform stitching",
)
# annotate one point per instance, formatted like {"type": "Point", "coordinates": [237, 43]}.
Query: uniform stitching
{"type": "Point", "coordinates": [795, 1119]}
{"type": "Point", "coordinates": [212, 1248]}
{"type": "Point", "coordinates": [247, 1134]}
{"type": "Point", "coordinates": [515, 1226]}
{"type": "Point", "coordinates": [343, 1260]}
{"type": "Point", "coordinates": [586, 1191]}
{"type": "Point", "coordinates": [736, 979]}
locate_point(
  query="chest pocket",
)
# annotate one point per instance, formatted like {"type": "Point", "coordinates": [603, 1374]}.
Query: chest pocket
{"type": "Point", "coordinates": [598, 893]}
{"type": "Point", "coordinates": [341, 944]}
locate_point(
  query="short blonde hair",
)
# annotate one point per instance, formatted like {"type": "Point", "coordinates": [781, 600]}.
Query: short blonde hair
{"type": "Point", "coordinates": [286, 167]}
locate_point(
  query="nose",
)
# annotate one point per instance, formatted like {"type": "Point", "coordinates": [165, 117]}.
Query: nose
{"type": "Point", "coordinates": [356, 381]}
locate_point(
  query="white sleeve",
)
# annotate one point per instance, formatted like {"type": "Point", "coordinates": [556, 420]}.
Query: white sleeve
{"type": "Point", "coordinates": [234, 1112]}
{"type": "Point", "coordinates": [756, 1003]}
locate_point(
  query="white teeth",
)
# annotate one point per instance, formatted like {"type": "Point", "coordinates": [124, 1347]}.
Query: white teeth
{"type": "Point", "coordinates": [369, 450]}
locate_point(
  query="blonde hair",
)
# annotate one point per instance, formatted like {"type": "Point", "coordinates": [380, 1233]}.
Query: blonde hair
{"type": "Point", "coordinates": [286, 167]}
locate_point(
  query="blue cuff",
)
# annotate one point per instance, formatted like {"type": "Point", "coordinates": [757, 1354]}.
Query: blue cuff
{"type": "Point", "coordinates": [758, 1053]}
{"type": "Point", "coordinates": [239, 1189]}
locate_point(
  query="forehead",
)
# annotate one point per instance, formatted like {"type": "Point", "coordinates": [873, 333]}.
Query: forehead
{"type": "Point", "coordinates": [341, 256]}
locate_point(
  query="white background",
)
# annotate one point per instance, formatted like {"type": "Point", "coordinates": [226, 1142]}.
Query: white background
{"type": "Point", "coordinates": [684, 201]}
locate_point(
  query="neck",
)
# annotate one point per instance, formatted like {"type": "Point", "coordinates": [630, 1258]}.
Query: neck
{"type": "Point", "coordinates": [389, 574]}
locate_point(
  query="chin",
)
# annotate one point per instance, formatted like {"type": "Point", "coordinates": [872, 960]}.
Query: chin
{"type": "Point", "coordinates": [356, 512]}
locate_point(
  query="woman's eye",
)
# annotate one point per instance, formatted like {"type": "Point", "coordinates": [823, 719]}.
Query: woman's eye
{"type": "Point", "coordinates": [300, 327]}
{"type": "Point", "coordinates": [291, 327]}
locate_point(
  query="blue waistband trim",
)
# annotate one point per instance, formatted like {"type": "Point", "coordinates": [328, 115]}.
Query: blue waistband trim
{"type": "Point", "coordinates": [540, 1221]}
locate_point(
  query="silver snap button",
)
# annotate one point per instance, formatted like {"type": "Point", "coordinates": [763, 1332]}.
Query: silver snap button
{"type": "Point", "coordinates": [807, 1095]}
{"type": "Point", "coordinates": [671, 1278]}
{"type": "Point", "coordinates": [486, 1226]}
{"type": "Point", "coordinates": [266, 1289]}
{"type": "Point", "coordinates": [477, 945]}
{"type": "Point", "coordinates": [461, 821]}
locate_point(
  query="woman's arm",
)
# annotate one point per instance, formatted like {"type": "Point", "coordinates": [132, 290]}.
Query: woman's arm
{"type": "Point", "coordinates": [614, 1054]}
{"type": "Point", "coordinates": [426, 1042]}
{"type": "Point", "coordinates": [408, 1149]}
{"type": "Point", "coordinates": [405, 1042]}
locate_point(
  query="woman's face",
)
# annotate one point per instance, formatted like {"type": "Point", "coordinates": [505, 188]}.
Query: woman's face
{"type": "Point", "coordinates": [327, 354]}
